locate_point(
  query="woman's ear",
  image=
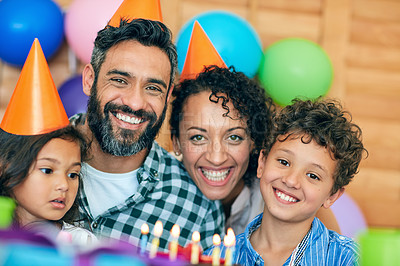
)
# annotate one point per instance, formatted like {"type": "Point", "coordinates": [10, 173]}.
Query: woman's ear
{"type": "Point", "coordinates": [261, 161]}
{"type": "Point", "coordinates": [176, 145]}
{"type": "Point", "coordinates": [334, 197]}
{"type": "Point", "coordinates": [87, 79]}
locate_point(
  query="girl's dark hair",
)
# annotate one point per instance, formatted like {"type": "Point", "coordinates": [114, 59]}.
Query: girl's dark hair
{"type": "Point", "coordinates": [325, 122]}
{"type": "Point", "coordinates": [248, 98]}
{"type": "Point", "coordinates": [18, 153]}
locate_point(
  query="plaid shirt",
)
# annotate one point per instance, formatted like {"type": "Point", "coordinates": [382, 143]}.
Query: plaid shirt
{"type": "Point", "coordinates": [166, 193]}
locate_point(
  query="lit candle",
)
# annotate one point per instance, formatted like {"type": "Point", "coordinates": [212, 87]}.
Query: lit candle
{"type": "Point", "coordinates": [216, 251]}
{"type": "Point", "coordinates": [229, 243]}
{"type": "Point", "coordinates": [173, 245]}
{"type": "Point", "coordinates": [157, 231]}
{"type": "Point", "coordinates": [194, 255]}
{"type": "Point", "coordinates": [144, 238]}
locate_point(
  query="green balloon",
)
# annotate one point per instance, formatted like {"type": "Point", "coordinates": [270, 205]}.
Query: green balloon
{"type": "Point", "coordinates": [295, 68]}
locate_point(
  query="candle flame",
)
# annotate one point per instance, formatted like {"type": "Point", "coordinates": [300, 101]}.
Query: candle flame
{"type": "Point", "coordinates": [144, 229]}
{"type": "Point", "coordinates": [158, 229]}
{"type": "Point", "coordinates": [175, 231]}
{"type": "Point", "coordinates": [216, 240]}
{"type": "Point", "coordinates": [196, 236]}
{"type": "Point", "coordinates": [229, 240]}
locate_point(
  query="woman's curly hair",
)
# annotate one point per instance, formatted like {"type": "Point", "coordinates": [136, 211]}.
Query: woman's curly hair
{"type": "Point", "coordinates": [325, 122]}
{"type": "Point", "coordinates": [228, 85]}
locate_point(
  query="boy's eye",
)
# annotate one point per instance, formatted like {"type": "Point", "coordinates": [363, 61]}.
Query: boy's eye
{"type": "Point", "coordinates": [283, 162]}
{"type": "Point", "coordinates": [313, 176]}
{"type": "Point", "coordinates": [74, 175]}
{"type": "Point", "coordinates": [46, 171]}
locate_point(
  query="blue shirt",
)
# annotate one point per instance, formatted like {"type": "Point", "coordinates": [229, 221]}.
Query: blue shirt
{"type": "Point", "coordinates": [319, 247]}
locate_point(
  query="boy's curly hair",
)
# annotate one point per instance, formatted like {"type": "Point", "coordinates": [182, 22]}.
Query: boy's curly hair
{"type": "Point", "coordinates": [227, 85]}
{"type": "Point", "coordinates": [325, 122]}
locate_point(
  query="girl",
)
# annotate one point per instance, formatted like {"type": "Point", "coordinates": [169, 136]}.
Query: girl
{"type": "Point", "coordinates": [41, 173]}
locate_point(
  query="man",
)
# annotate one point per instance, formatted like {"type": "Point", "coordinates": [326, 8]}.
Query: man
{"type": "Point", "coordinates": [129, 179]}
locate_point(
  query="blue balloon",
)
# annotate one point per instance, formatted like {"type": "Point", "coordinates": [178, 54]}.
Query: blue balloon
{"type": "Point", "coordinates": [72, 96]}
{"type": "Point", "coordinates": [24, 20]}
{"type": "Point", "coordinates": [233, 37]}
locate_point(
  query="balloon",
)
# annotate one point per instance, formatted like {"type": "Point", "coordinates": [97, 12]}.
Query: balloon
{"type": "Point", "coordinates": [349, 216]}
{"type": "Point", "coordinates": [295, 68]}
{"type": "Point", "coordinates": [233, 37]}
{"type": "Point", "coordinates": [24, 20]}
{"type": "Point", "coordinates": [83, 20]}
{"type": "Point", "coordinates": [72, 96]}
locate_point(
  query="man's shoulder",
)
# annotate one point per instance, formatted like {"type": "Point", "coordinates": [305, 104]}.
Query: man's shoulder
{"type": "Point", "coordinates": [77, 119]}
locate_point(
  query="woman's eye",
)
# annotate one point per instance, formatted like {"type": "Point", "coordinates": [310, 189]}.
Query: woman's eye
{"type": "Point", "coordinates": [283, 162]}
{"type": "Point", "coordinates": [313, 176]}
{"type": "Point", "coordinates": [46, 171]}
{"type": "Point", "coordinates": [197, 138]}
{"type": "Point", "coordinates": [73, 175]}
{"type": "Point", "coordinates": [235, 138]}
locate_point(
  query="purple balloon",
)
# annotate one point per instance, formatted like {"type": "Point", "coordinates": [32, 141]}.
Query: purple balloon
{"type": "Point", "coordinates": [72, 96]}
{"type": "Point", "coordinates": [349, 216]}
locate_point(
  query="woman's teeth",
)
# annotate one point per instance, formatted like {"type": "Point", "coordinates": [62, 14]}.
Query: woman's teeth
{"type": "Point", "coordinates": [285, 197]}
{"type": "Point", "coordinates": [128, 119]}
{"type": "Point", "coordinates": [216, 176]}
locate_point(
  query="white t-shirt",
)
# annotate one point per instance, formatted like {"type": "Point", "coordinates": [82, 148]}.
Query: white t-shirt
{"type": "Point", "coordinates": [106, 190]}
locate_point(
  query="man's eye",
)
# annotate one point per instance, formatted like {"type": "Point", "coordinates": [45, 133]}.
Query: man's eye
{"type": "Point", "coordinates": [46, 171]}
{"type": "Point", "coordinates": [154, 89]}
{"type": "Point", "coordinates": [118, 80]}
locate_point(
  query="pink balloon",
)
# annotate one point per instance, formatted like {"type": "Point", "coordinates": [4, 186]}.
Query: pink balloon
{"type": "Point", "coordinates": [349, 216]}
{"type": "Point", "coordinates": [83, 20]}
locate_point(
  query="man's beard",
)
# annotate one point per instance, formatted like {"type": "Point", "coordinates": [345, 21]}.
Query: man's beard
{"type": "Point", "coordinates": [121, 142]}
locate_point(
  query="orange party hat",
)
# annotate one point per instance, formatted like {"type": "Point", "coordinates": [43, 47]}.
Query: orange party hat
{"type": "Point", "coordinates": [201, 52]}
{"type": "Point", "coordinates": [130, 9]}
{"type": "Point", "coordinates": [35, 106]}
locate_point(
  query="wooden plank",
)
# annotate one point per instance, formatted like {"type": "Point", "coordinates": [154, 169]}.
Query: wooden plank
{"type": "Point", "coordinates": [334, 39]}
{"type": "Point", "coordinates": [382, 33]}
{"type": "Point", "coordinates": [298, 6]}
{"type": "Point", "coordinates": [373, 56]}
{"type": "Point", "coordinates": [279, 24]}
{"type": "Point", "coordinates": [377, 192]}
{"type": "Point", "coordinates": [374, 82]}
{"type": "Point", "coordinates": [377, 10]}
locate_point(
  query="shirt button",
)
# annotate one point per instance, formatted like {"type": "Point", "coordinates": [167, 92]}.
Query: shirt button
{"type": "Point", "coordinates": [94, 225]}
{"type": "Point", "coordinates": [342, 238]}
{"type": "Point", "coordinates": [155, 173]}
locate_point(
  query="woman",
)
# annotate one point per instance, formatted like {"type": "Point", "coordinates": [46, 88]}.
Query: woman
{"type": "Point", "coordinates": [219, 122]}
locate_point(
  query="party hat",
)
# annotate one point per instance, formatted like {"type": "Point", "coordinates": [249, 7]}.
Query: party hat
{"type": "Point", "coordinates": [201, 52]}
{"type": "Point", "coordinates": [35, 106]}
{"type": "Point", "coordinates": [130, 9]}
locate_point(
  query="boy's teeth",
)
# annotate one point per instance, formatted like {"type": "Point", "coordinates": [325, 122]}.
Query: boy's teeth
{"type": "Point", "coordinates": [215, 175]}
{"type": "Point", "coordinates": [130, 120]}
{"type": "Point", "coordinates": [285, 197]}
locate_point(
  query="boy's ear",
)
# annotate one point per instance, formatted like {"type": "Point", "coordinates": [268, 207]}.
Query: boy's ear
{"type": "Point", "coordinates": [261, 161]}
{"type": "Point", "coordinates": [329, 201]}
{"type": "Point", "coordinates": [87, 79]}
{"type": "Point", "coordinates": [176, 145]}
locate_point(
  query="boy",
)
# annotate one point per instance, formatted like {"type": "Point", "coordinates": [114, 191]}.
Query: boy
{"type": "Point", "coordinates": [313, 152]}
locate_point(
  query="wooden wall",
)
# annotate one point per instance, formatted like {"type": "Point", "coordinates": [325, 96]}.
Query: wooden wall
{"type": "Point", "coordinates": [362, 38]}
